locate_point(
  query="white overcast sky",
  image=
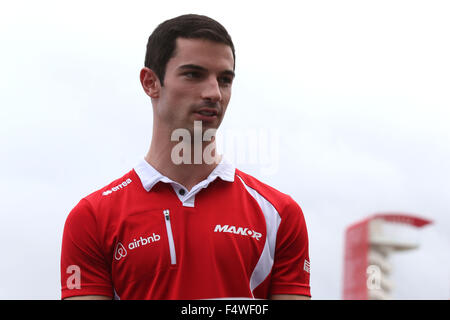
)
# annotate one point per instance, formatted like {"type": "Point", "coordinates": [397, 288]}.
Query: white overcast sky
{"type": "Point", "coordinates": [351, 97]}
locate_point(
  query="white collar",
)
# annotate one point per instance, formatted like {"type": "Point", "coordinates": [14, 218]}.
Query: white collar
{"type": "Point", "coordinates": [150, 176]}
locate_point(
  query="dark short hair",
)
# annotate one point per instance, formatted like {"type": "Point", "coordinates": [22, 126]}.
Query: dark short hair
{"type": "Point", "coordinates": [162, 42]}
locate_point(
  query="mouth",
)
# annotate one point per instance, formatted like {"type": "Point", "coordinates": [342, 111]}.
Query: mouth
{"type": "Point", "coordinates": [207, 114]}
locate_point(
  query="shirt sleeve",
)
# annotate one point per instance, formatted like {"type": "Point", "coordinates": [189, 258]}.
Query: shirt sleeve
{"type": "Point", "coordinates": [291, 269]}
{"type": "Point", "coordinates": [84, 270]}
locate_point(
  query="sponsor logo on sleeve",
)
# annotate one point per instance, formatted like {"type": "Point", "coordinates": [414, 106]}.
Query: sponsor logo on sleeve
{"type": "Point", "coordinates": [118, 187]}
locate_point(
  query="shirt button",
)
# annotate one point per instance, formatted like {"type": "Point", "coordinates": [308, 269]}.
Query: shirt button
{"type": "Point", "coordinates": [182, 192]}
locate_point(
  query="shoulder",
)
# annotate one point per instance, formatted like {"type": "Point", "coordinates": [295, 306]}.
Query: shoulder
{"type": "Point", "coordinates": [282, 202]}
{"type": "Point", "coordinates": [111, 195]}
{"type": "Point", "coordinates": [114, 190]}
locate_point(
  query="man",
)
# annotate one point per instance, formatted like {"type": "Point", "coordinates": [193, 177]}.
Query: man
{"type": "Point", "coordinates": [189, 229]}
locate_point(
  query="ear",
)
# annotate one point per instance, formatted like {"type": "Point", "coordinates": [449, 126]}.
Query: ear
{"type": "Point", "coordinates": [150, 82]}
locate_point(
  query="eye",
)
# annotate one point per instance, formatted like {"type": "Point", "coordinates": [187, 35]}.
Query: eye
{"type": "Point", "coordinates": [226, 80]}
{"type": "Point", "coordinates": [192, 74]}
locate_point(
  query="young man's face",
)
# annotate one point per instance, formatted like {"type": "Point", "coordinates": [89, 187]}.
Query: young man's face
{"type": "Point", "coordinates": [197, 85]}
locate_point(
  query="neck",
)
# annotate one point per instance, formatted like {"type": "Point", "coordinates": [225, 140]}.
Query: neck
{"type": "Point", "coordinates": [186, 162]}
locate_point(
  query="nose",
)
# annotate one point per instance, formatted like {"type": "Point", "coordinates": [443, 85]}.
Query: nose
{"type": "Point", "coordinates": [211, 90]}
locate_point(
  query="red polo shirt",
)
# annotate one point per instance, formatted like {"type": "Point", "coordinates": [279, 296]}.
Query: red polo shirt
{"type": "Point", "coordinates": [145, 237]}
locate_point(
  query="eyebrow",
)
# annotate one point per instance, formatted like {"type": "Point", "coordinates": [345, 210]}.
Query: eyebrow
{"type": "Point", "coordinates": [200, 68]}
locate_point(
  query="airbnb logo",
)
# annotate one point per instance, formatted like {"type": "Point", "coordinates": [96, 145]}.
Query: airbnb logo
{"type": "Point", "coordinates": [120, 251]}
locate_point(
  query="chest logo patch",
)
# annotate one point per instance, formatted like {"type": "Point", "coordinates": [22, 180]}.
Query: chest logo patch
{"type": "Point", "coordinates": [238, 230]}
{"type": "Point", "coordinates": [121, 251]}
